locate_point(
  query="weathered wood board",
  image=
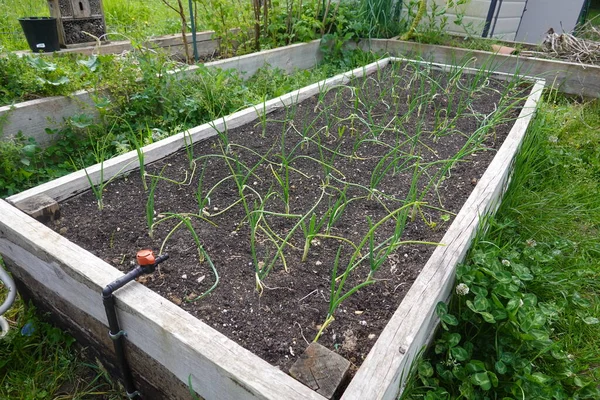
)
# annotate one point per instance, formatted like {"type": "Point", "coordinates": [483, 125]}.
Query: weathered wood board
{"type": "Point", "coordinates": [207, 43]}
{"type": "Point", "coordinates": [322, 370]}
{"type": "Point", "coordinates": [218, 367]}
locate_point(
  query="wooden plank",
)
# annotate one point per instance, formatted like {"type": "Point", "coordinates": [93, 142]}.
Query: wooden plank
{"type": "Point", "coordinates": [77, 182]}
{"type": "Point", "coordinates": [451, 67]}
{"type": "Point", "coordinates": [33, 117]}
{"type": "Point", "coordinates": [388, 362]}
{"type": "Point", "coordinates": [322, 370]}
{"type": "Point", "coordinates": [218, 367]}
{"type": "Point", "coordinates": [289, 58]}
{"type": "Point", "coordinates": [570, 78]}
{"type": "Point", "coordinates": [42, 208]}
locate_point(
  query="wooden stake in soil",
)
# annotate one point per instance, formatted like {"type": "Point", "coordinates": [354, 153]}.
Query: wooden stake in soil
{"type": "Point", "coordinates": [322, 370]}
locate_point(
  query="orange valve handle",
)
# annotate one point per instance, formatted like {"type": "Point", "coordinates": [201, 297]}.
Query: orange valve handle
{"type": "Point", "coordinates": [145, 257]}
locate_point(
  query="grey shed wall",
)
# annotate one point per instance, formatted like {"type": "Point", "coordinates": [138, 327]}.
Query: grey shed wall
{"type": "Point", "coordinates": [474, 15]}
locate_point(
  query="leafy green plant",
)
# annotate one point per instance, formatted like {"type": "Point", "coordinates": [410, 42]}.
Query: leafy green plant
{"type": "Point", "coordinates": [35, 76]}
{"type": "Point", "coordinates": [18, 161]}
{"type": "Point", "coordinates": [382, 17]}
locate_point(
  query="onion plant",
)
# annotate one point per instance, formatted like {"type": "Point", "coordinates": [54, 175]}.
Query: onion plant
{"type": "Point", "coordinates": [99, 149]}
{"type": "Point", "coordinates": [376, 255]}
{"type": "Point", "coordinates": [150, 212]}
{"type": "Point", "coordinates": [185, 221]}
{"type": "Point", "coordinates": [140, 154]}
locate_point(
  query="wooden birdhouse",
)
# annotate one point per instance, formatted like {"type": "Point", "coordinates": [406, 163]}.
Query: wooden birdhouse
{"type": "Point", "coordinates": [79, 21]}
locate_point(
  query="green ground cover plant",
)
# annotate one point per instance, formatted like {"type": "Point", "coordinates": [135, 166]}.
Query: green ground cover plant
{"type": "Point", "coordinates": [40, 361]}
{"type": "Point", "coordinates": [524, 320]}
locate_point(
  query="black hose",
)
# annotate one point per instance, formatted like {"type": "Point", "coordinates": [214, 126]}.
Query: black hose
{"type": "Point", "coordinates": [8, 302]}
{"type": "Point", "coordinates": [114, 330]}
{"type": "Point", "coordinates": [116, 335]}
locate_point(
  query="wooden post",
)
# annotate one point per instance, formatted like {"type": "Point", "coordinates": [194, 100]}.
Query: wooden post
{"type": "Point", "coordinates": [55, 12]}
{"type": "Point", "coordinates": [322, 370]}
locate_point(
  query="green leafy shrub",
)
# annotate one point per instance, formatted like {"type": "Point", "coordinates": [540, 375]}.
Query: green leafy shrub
{"type": "Point", "coordinates": [33, 76]}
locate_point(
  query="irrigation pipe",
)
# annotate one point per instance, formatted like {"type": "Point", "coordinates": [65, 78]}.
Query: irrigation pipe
{"type": "Point", "coordinates": [10, 299]}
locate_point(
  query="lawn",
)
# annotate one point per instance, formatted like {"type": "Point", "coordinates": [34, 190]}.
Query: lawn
{"type": "Point", "coordinates": [593, 16]}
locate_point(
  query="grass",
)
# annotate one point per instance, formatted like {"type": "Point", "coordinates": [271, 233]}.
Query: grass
{"type": "Point", "coordinates": [545, 238]}
{"type": "Point", "coordinates": [39, 361]}
{"type": "Point", "coordinates": [594, 16]}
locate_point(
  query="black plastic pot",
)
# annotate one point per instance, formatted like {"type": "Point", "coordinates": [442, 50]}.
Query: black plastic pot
{"type": "Point", "coordinates": [41, 33]}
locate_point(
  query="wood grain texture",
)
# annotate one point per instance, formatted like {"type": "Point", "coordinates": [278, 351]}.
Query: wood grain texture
{"type": "Point", "coordinates": [152, 379]}
{"type": "Point", "coordinates": [386, 366]}
{"type": "Point", "coordinates": [322, 370]}
{"type": "Point", "coordinates": [42, 208]}
{"type": "Point", "coordinates": [76, 182]}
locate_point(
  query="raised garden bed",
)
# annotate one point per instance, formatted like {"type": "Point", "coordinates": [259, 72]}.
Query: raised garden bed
{"type": "Point", "coordinates": [407, 106]}
{"type": "Point", "coordinates": [33, 117]}
{"type": "Point", "coordinates": [567, 77]}
{"type": "Point", "coordinates": [207, 45]}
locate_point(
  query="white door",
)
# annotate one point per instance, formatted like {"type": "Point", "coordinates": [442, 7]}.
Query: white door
{"type": "Point", "coordinates": [541, 15]}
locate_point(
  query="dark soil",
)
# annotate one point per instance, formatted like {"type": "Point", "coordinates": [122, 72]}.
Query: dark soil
{"type": "Point", "coordinates": [277, 325]}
